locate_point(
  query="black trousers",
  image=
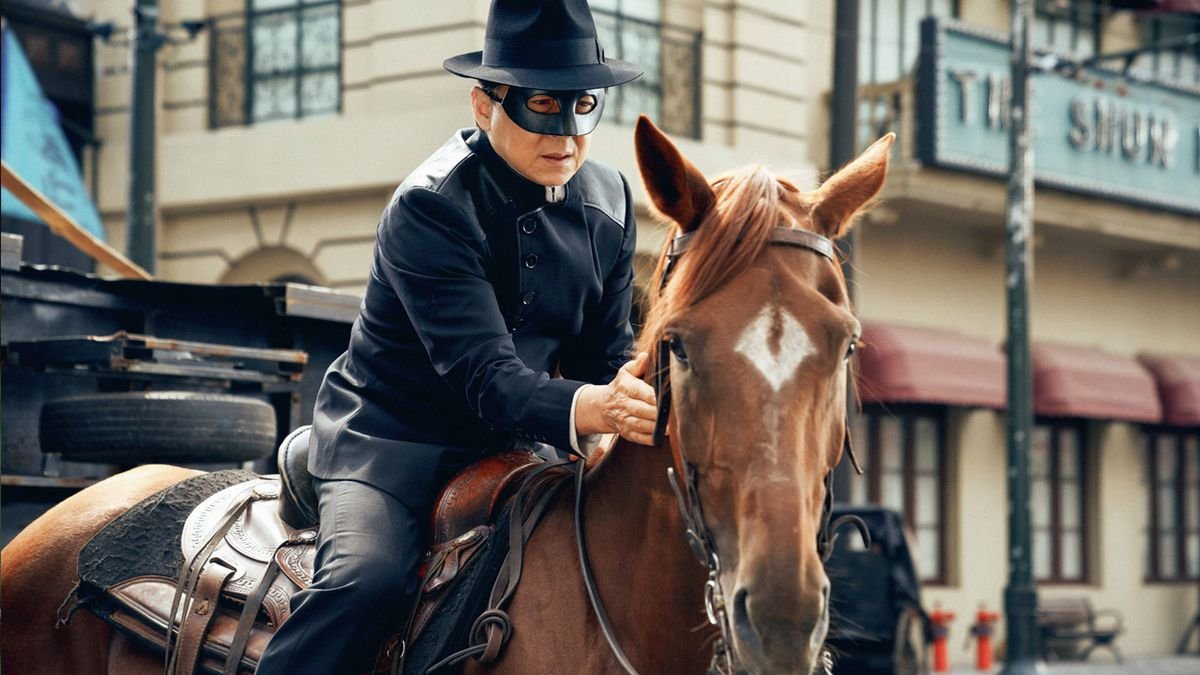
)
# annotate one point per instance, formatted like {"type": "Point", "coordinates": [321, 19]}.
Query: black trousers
{"type": "Point", "coordinates": [369, 545]}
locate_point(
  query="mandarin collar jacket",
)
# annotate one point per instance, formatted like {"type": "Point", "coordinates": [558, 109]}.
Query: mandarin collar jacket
{"type": "Point", "coordinates": [479, 290]}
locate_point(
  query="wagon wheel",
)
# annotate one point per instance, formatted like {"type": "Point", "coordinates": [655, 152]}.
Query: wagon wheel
{"type": "Point", "coordinates": [910, 653]}
{"type": "Point", "coordinates": [158, 426]}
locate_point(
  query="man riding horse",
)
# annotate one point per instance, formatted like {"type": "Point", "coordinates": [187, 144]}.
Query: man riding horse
{"type": "Point", "coordinates": [504, 258]}
{"type": "Point", "coordinates": [750, 320]}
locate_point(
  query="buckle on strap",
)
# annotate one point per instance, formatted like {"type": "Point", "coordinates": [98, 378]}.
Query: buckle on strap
{"type": "Point", "coordinates": [714, 600]}
{"type": "Point", "coordinates": [688, 501]}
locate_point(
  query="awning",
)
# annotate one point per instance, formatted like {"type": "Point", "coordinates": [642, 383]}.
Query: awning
{"type": "Point", "coordinates": [906, 364]}
{"type": "Point", "coordinates": [1073, 381]}
{"type": "Point", "coordinates": [1178, 379]}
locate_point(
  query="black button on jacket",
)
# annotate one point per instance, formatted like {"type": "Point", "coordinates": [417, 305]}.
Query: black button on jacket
{"type": "Point", "coordinates": [450, 355]}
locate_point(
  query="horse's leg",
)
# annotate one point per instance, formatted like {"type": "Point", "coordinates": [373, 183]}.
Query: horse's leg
{"type": "Point", "coordinates": [38, 572]}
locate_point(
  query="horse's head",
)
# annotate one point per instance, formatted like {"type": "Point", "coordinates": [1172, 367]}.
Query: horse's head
{"type": "Point", "coordinates": [759, 334]}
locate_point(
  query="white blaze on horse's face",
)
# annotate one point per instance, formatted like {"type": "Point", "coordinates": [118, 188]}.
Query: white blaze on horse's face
{"type": "Point", "coordinates": [776, 343]}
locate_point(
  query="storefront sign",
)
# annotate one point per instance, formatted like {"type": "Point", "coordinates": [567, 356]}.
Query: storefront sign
{"type": "Point", "coordinates": [1098, 133]}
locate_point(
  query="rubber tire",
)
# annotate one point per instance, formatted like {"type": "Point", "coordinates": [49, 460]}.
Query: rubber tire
{"type": "Point", "coordinates": [158, 426]}
{"type": "Point", "coordinates": [910, 653]}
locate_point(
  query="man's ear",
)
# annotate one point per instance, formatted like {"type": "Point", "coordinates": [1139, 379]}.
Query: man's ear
{"type": "Point", "coordinates": [481, 108]}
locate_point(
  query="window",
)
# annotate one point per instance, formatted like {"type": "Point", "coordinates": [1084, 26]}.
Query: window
{"type": "Point", "coordinates": [1171, 63]}
{"type": "Point", "coordinates": [889, 34]}
{"type": "Point", "coordinates": [1072, 27]}
{"type": "Point", "coordinates": [903, 456]}
{"type": "Point", "coordinates": [1057, 502]}
{"type": "Point", "coordinates": [669, 91]}
{"type": "Point", "coordinates": [1173, 476]}
{"type": "Point", "coordinates": [281, 59]}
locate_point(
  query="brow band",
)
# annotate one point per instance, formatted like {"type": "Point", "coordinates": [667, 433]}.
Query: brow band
{"type": "Point", "coordinates": [780, 235]}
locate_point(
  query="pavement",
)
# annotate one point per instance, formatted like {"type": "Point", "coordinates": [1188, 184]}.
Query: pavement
{"type": "Point", "coordinates": [1101, 665]}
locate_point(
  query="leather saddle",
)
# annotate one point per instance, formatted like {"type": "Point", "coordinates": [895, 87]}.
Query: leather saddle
{"type": "Point", "coordinates": [249, 547]}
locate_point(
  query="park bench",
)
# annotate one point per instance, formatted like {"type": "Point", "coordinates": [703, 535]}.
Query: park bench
{"type": "Point", "coordinates": [1070, 629]}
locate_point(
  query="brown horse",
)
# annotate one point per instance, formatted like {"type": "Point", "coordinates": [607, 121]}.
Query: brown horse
{"type": "Point", "coordinates": [758, 337]}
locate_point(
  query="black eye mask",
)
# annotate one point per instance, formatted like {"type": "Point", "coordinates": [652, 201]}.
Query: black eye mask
{"type": "Point", "coordinates": [565, 122]}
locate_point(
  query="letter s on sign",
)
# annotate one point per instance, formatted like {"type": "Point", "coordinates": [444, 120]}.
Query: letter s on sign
{"type": "Point", "coordinates": [1082, 134]}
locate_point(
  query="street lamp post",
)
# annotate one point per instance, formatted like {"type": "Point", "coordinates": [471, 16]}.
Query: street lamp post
{"type": "Point", "coordinates": [843, 130]}
{"type": "Point", "coordinates": [1020, 596]}
{"type": "Point", "coordinates": [140, 217]}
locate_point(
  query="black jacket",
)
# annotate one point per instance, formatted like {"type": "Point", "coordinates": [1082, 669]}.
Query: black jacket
{"type": "Point", "coordinates": [479, 289]}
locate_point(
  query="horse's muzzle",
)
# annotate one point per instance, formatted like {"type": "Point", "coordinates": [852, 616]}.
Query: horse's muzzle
{"type": "Point", "coordinates": [772, 635]}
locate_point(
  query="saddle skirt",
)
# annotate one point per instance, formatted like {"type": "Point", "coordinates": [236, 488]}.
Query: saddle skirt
{"type": "Point", "coordinates": [244, 557]}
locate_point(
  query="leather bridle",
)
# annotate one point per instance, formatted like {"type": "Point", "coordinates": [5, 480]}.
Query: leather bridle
{"type": "Point", "coordinates": [684, 483]}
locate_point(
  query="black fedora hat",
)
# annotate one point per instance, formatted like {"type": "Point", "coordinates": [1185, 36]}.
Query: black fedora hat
{"type": "Point", "coordinates": [542, 44]}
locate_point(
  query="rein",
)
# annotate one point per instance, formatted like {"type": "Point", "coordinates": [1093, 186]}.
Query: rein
{"type": "Point", "coordinates": [684, 483]}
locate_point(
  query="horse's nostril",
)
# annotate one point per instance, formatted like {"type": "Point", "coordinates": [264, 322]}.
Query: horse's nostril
{"type": "Point", "coordinates": [743, 625]}
{"type": "Point", "coordinates": [739, 603]}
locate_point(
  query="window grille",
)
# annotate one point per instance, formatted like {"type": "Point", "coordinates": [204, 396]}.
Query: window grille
{"type": "Point", "coordinates": [1068, 27]}
{"type": "Point", "coordinates": [1173, 482]}
{"type": "Point", "coordinates": [1058, 501]}
{"type": "Point", "coordinates": [280, 59]}
{"type": "Point", "coordinates": [889, 36]}
{"type": "Point", "coordinates": [903, 451]}
{"type": "Point", "coordinates": [1180, 64]}
{"type": "Point", "coordinates": [669, 91]}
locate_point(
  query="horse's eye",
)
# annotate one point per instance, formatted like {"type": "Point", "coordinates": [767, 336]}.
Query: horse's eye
{"type": "Point", "coordinates": [678, 350]}
{"type": "Point", "coordinates": [852, 348]}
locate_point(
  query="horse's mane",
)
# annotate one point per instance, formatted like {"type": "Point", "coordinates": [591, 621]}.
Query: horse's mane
{"type": "Point", "coordinates": [749, 202]}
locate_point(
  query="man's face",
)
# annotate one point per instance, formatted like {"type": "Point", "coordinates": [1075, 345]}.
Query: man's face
{"type": "Point", "coordinates": [542, 158]}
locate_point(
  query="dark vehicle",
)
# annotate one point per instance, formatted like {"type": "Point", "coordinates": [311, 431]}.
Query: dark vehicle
{"type": "Point", "coordinates": [98, 375]}
{"type": "Point", "coordinates": [876, 623]}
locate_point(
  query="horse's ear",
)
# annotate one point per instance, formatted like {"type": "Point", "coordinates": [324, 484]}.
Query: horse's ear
{"type": "Point", "coordinates": [840, 199]}
{"type": "Point", "coordinates": [676, 187]}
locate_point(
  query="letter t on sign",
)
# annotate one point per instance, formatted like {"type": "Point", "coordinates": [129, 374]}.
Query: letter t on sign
{"type": "Point", "coordinates": [966, 87]}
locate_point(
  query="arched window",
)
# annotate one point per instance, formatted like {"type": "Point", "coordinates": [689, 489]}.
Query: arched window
{"type": "Point", "coordinates": [274, 264]}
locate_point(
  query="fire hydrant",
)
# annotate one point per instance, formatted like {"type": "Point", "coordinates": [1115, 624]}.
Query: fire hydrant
{"type": "Point", "coordinates": [939, 621]}
{"type": "Point", "coordinates": [982, 630]}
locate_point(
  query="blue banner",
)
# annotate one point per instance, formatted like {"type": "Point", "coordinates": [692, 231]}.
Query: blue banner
{"type": "Point", "coordinates": [1099, 133]}
{"type": "Point", "coordinates": [33, 145]}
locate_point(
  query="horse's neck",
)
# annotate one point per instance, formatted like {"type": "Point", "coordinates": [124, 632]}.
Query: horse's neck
{"type": "Point", "coordinates": [650, 581]}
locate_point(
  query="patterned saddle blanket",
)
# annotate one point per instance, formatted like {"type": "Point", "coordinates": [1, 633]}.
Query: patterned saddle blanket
{"type": "Point", "coordinates": [204, 570]}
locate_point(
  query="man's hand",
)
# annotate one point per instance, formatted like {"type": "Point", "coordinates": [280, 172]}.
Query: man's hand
{"type": "Point", "coordinates": [625, 406]}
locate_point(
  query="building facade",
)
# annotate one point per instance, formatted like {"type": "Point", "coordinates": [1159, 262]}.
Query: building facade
{"type": "Point", "coordinates": [1115, 457]}
{"type": "Point", "coordinates": [284, 126]}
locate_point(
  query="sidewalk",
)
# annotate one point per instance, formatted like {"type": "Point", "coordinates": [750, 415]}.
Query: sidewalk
{"type": "Point", "coordinates": [1143, 665]}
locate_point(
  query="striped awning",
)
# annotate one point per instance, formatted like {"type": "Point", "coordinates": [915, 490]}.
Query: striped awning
{"type": "Point", "coordinates": [1071, 381]}
{"type": "Point", "coordinates": [1178, 380]}
{"type": "Point", "coordinates": [909, 364]}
